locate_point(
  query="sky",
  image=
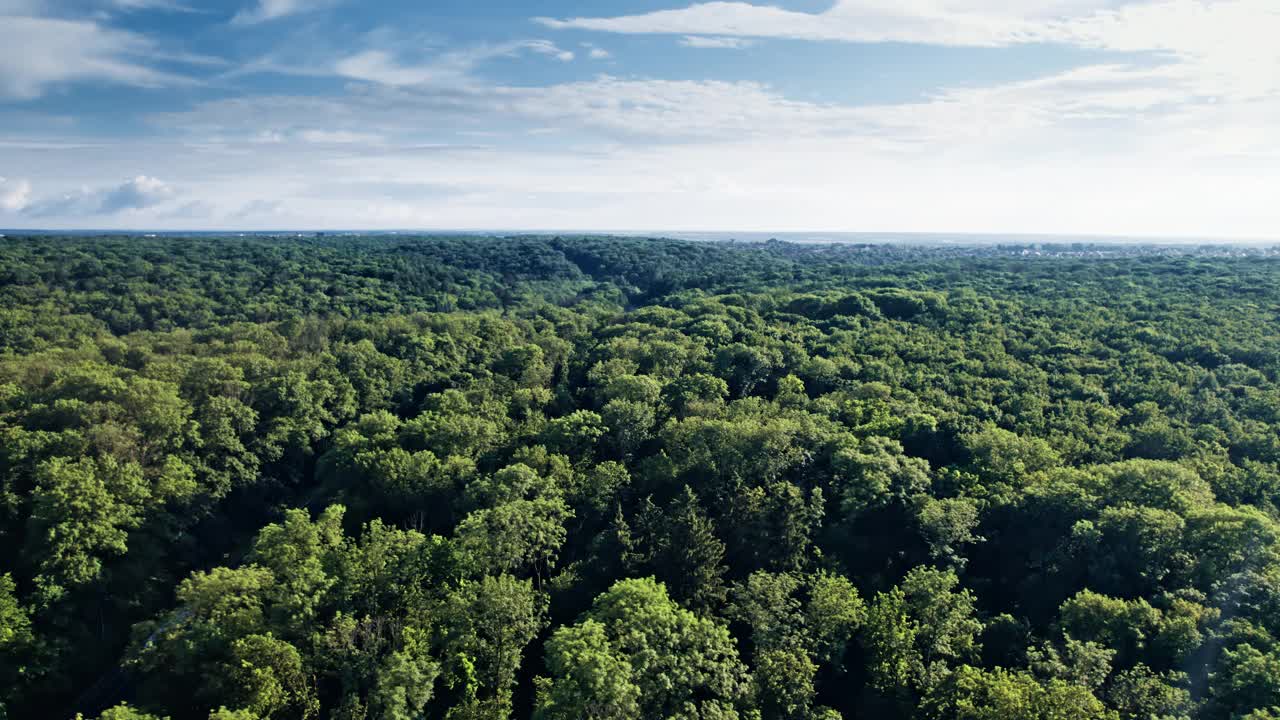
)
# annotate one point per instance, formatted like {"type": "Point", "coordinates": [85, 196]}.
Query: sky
{"type": "Point", "coordinates": [1108, 117]}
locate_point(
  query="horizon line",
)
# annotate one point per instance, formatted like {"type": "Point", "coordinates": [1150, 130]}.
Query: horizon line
{"type": "Point", "coordinates": [674, 234]}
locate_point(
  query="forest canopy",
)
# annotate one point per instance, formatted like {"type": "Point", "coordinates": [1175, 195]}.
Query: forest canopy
{"type": "Point", "coordinates": [388, 478]}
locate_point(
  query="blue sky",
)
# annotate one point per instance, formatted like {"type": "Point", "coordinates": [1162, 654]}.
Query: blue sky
{"type": "Point", "coordinates": [1150, 117]}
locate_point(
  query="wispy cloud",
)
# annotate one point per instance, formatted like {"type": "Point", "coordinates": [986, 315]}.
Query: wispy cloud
{"type": "Point", "coordinates": [405, 99]}
{"type": "Point", "coordinates": [1221, 47]}
{"type": "Point", "coordinates": [267, 10]}
{"type": "Point", "coordinates": [40, 52]}
{"type": "Point", "coordinates": [163, 5]}
{"type": "Point", "coordinates": [381, 67]}
{"type": "Point", "coordinates": [140, 193]}
{"type": "Point", "coordinates": [1217, 31]}
{"type": "Point", "coordinates": [546, 47]}
{"type": "Point", "coordinates": [449, 68]}
{"type": "Point", "coordinates": [715, 42]}
{"type": "Point", "coordinates": [951, 22]}
{"type": "Point", "coordinates": [338, 137]}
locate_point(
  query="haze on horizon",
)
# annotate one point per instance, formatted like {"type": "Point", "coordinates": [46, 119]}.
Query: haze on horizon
{"type": "Point", "coordinates": [1149, 118]}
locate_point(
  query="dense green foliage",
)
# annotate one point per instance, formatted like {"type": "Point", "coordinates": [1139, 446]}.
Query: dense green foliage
{"type": "Point", "coordinates": [402, 478]}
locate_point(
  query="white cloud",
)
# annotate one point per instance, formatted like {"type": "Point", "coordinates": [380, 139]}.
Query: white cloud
{"type": "Point", "coordinates": [1227, 47]}
{"type": "Point", "coordinates": [1198, 52]}
{"type": "Point", "coordinates": [1107, 103]}
{"type": "Point", "coordinates": [546, 47]}
{"type": "Point", "coordinates": [267, 10]}
{"type": "Point", "coordinates": [380, 67]}
{"type": "Point", "coordinates": [136, 194]}
{"type": "Point", "coordinates": [669, 109]}
{"type": "Point", "coordinates": [449, 68]}
{"type": "Point", "coordinates": [40, 52]}
{"type": "Point", "coordinates": [409, 101]}
{"type": "Point", "coordinates": [14, 194]}
{"type": "Point", "coordinates": [140, 193]}
{"type": "Point", "coordinates": [714, 42]}
{"type": "Point", "coordinates": [164, 5]}
{"type": "Point", "coordinates": [1228, 43]}
{"type": "Point", "coordinates": [948, 22]}
{"type": "Point", "coordinates": [287, 133]}
{"type": "Point", "coordinates": [338, 137]}
{"type": "Point", "coordinates": [595, 52]}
